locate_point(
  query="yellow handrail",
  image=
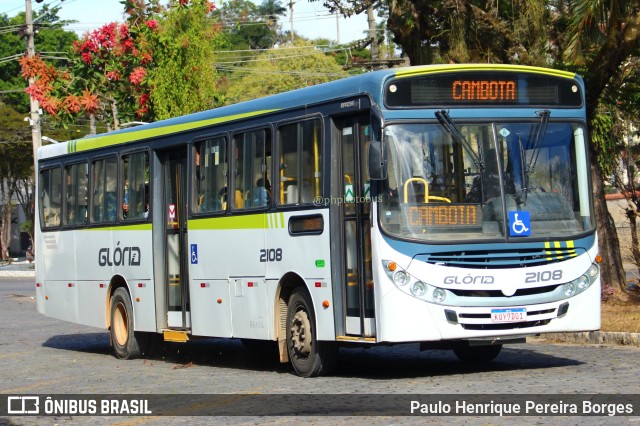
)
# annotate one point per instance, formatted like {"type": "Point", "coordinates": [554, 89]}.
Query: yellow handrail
{"type": "Point", "coordinates": [427, 197]}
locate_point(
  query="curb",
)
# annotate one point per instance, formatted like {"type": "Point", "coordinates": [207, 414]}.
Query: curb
{"type": "Point", "coordinates": [18, 274]}
{"type": "Point", "coordinates": [596, 337]}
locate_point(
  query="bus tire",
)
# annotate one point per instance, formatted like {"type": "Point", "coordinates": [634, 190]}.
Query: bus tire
{"type": "Point", "coordinates": [309, 357]}
{"type": "Point", "coordinates": [476, 354]}
{"type": "Point", "coordinates": [127, 343]}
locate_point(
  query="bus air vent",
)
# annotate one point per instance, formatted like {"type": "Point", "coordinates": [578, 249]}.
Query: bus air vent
{"type": "Point", "coordinates": [496, 259]}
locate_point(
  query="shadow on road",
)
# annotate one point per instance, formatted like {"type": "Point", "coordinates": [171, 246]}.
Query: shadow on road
{"type": "Point", "coordinates": [381, 362]}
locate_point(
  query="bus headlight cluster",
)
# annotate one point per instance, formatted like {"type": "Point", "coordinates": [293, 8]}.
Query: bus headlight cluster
{"type": "Point", "coordinates": [583, 282]}
{"type": "Point", "coordinates": [408, 284]}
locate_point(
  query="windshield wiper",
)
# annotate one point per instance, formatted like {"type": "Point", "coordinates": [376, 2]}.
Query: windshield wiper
{"type": "Point", "coordinates": [537, 142]}
{"type": "Point", "coordinates": [542, 129]}
{"type": "Point", "coordinates": [450, 127]}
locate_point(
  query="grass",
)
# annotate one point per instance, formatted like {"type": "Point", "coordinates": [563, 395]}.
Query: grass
{"type": "Point", "coordinates": [621, 312]}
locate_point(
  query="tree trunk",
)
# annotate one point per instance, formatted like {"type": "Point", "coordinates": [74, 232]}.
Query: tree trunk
{"type": "Point", "coordinates": [5, 233]}
{"type": "Point", "coordinates": [409, 37]}
{"type": "Point", "coordinates": [114, 114]}
{"type": "Point", "coordinates": [92, 124]}
{"type": "Point", "coordinates": [611, 269]}
{"type": "Point", "coordinates": [633, 227]}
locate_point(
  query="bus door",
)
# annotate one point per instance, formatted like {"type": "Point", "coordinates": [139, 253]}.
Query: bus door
{"type": "Point", "coordinates": [174, 206]}
{"type": "Point", "coordinates": [355, 228]}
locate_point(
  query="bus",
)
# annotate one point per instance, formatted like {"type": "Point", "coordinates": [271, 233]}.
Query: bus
{"type": "Point", "coordinates": [445, 205]}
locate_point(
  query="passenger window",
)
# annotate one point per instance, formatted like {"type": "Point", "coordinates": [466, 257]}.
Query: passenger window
{"type": "Point", "coordinates": [50, 197]}
{"type": "Point", "coordinates": [300, 162]}
{"type": "Point", "coordinates": [76, 194]}
{"type": "Point", "coordinates": [104, 177]}
{"type": "Point", "coordinates": [251, 184]}
{"type": "Point", "coordinates": [135, 186]}
{"type": "Point", "coordinates": [211, 168]}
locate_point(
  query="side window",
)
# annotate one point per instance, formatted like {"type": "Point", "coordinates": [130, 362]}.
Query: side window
{"type": "Point", "coordinates": [76, 194]}
{"type": "Point", "coordinates": [104, 177]}
{"type": "Point", "coordinates": [251, 184]}
{"type": "Point", "coordinates": [300, 162]}
{"type": "Point", "coordinates": [50, 197]}
{"type": "Point", "coordinates": [211, 169]}
{"type": "Point", "coordinates": [134, 190]}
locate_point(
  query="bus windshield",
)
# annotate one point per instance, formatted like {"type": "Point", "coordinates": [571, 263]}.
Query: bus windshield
{"type": "Point", "coordinates": [486, 181]}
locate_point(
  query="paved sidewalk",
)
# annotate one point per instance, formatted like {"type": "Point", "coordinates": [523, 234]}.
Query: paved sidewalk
{"type": "Point", "coordinates": [19, 267]}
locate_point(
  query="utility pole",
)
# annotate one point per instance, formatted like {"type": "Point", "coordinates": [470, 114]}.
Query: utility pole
{"type": "Point", "coordinates": [291, 18]}
{"type": "Point", "coordinates": [375, 55]}
{"type": "Point", "coordinates": [338, 27]}
{"type": "Point", "coordinates": [34, 117]}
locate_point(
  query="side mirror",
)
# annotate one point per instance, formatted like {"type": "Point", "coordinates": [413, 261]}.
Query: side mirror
{"type": "Point", "coordinates": [377, 161]}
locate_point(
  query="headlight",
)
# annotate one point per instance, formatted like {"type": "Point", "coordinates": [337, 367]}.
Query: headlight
{"type": "Point", "coordinates": [583, 282]}
{"type": "Point", "coordinates": [418, 288]}
{"type": "Point", "coordinates": [409, 285]}
{"type": "Point", "coordinates": [569, 289]}
{"type": "Point", "coordinates": [438, 295]}
{"type": "Point", "coordinates": [400, 278]}
{"type": "Point", "coordinates": [593, 271]}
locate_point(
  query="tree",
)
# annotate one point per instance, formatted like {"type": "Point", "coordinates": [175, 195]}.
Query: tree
{"type": "Point", "coordinates": [245, 26]}
{"type": "Point", "coordinates": [616, 133]}
{"type": "Point", "coordinates": [16, 165]}
{"type": "Point", "coordinates": [184, 78]}
{"type": "Point", "coordinates": [512, 31]}
{"type": "Point", "coordinates": [50, 39]}
{"type": "Point", "coordinates": [605, 36]}
{"type": "Point", "coordinates": [281, 70]}
{"type": "Point", "coordinates": [115, 67]}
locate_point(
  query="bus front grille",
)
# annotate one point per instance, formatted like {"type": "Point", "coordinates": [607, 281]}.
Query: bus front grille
{"type": "Point", "coordinates": [496, 259]}
{"type": "Point", "coordinates": [506, 326]}
{"type": "Point", "coordinates": [498, 293]}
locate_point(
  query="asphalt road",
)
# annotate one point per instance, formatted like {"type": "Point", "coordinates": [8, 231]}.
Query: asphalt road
{"type": "Point", "coordinates": [40, 355]}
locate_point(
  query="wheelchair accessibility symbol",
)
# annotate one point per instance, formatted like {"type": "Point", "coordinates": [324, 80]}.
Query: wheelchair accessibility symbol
{"type": "Point", "coordinates": [194, 254]}
{"type": "Point", "coordinates": [519, 224]}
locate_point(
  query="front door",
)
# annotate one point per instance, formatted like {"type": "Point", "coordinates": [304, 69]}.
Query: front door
{"type": "Point", "coordinates": [174, 178]}
{"type": "Point", "coordinates": [353, 134]}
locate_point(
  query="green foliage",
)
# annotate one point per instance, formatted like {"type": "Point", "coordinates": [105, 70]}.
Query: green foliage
{"type": "Point", "coordinates": [248, 26]}
{"type": "Point", "coordinates": [50, 39]}
{"type": "Point", "coordinates": [281, 70]}
{"type": "Point", "coordinates": [603, 138]}
{"type": "Point", "coordinates": [16, 152]}
{"type": "Point", "coordinates": [184, 78]}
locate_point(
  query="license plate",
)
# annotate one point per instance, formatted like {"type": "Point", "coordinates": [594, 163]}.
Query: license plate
{"type": "Point", "coordinates": [509, 315]}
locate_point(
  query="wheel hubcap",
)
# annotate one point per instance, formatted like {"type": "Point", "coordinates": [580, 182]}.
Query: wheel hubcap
{"type": "Point", "coordinates": [301, 333]}
{"type": "Point", "coordinates": [120, 330]}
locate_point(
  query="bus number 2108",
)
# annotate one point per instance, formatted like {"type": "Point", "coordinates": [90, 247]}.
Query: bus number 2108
{"type": "Point", "coordinates": [271, 255]}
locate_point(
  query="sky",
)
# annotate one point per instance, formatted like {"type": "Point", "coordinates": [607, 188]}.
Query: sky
{"type": "Point", "coordinates": [310, 20]}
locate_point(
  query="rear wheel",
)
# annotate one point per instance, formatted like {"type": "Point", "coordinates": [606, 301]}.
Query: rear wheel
{"type": "Point", "coordinates": [476, 354]}
{"type": "Point", "coordinates": [309, 357]}
{"type": "Point", "coordinates": [127, 343]}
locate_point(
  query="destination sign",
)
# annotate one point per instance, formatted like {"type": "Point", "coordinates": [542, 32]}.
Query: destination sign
{"type": "Point", "coordinates": [495, 90]}
{"type": "Point", "coordinates": [486, 88]}
{"type": "Point", "coordinates": [443, 215]}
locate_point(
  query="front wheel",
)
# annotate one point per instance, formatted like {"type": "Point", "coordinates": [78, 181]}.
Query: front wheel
{"type": "Point", "coordinates": [476, 354]}
{"type": "Point", "coordinates": [309, 357]}
{"type": "Point", "coordinates": [127, 343]}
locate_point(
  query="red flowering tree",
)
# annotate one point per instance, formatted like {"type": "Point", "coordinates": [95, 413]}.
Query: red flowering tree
{"type": "Point", "coordinates": [113, 66]}
{"type": "Point", "coordinates": [118, 67]}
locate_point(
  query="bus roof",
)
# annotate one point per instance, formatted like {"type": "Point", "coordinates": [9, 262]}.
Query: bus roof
{"type": "Point", "coordinates": [368, 83]}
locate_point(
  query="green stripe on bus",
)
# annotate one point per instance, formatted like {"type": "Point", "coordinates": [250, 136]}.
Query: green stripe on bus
{"type": "Point", "coordinates": [133, 227]}
{"type": "Point", "coordinates": [253, 221]}
{"type": "Point", "coordinates": [121, 138]}
{"type": "Point", "coordinates": [481, 67]}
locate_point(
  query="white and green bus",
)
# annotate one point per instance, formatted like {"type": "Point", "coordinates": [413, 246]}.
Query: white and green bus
{"type": "Point", "coordinates": [447, 205]}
